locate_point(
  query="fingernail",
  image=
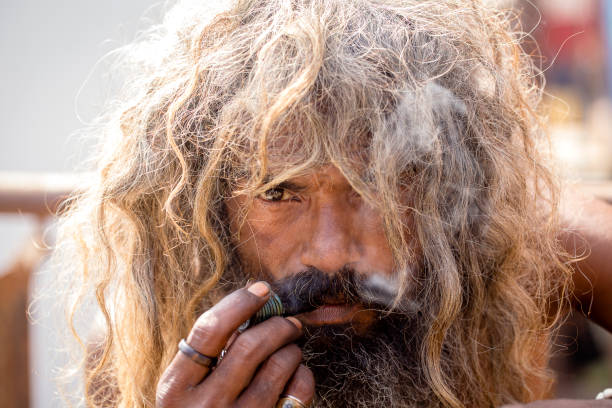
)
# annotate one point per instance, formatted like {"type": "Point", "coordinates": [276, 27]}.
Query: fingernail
{"type": "Point", "coordinates": [295, 321]}
{"type": "Point", "coordinates": [260, 289]}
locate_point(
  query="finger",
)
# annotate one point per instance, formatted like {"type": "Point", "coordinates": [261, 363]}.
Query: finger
{"type": "Point", "coordinates": [301, 385]}
{"type": "Point", "coordinates": [271, 378]}
{"type": "Point", "coordinates": [247, 352]}
{"type": "Point", "coordinates": [212, 331]}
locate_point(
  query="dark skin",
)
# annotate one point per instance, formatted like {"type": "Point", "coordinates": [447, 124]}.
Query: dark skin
{"type": "Point", "coordinates": [318, 220]}
{"type": "Point", "coordinates": [257, 367]}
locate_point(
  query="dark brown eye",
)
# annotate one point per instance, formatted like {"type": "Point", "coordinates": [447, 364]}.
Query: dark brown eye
{"type": "Point", "coordinates": [275, 194]}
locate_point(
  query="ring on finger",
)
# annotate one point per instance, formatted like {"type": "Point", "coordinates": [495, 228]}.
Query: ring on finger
{"type": "Point", "coordinates": [289, 401]}
{"type": "Point", "coordinates": [195, 356]}
{"type": "Point", "coordinates": [223, 353]}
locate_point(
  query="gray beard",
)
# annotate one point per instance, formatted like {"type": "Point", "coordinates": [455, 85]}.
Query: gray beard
{"type": "Point", "coordinates": [378, 369]}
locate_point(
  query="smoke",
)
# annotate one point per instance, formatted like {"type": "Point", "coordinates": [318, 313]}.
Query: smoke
{"type": "Point", "coordinates": [427, 135]}
{"type": "Point", "coordinates": [421, 118]}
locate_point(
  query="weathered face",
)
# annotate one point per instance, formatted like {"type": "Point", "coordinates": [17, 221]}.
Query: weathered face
{"type": "Point", "coordinates": [316, 227]}
{"type": "Point", "coordinates": [316, 221]}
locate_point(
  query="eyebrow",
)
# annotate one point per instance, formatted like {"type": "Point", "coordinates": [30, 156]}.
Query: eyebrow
{"type": "Point", "coordinates": [287, 184]}
{"type": "Point", "coordinates": [292, 186]}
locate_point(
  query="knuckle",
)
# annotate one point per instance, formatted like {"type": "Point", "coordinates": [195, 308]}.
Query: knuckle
{"type": "Point", "coordinates": [211, 400]}
{"type": "Point", "coordinates": [283, 325]}
{"type": "Point", "coordinates": [165, 396]}
{"type": "Point", "coordinates": [291, 352]}
{"type": "Point", "coordinates": [295, 351]}
{"type": "Point", "coordinates": [283, 361]}
{"type": "Point", "coordinates": [206, 326]}
{"type": "Point", "coordinates": [166, 385]}
{"type": "Point", "coordinates": [241, 299]}
{"type": "Point", "coordinates": [303, 382]}
{"type": "Point", "coordinates": [278, 363]}
{"type": "Point", "coordinates": [246, 345]}
{"type": "Point", "coordinates": [270, 386]}
{"type": "Point", "coordinates": [162, 401]}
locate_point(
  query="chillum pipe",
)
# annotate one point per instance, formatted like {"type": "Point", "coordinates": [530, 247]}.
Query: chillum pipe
{"type": "Point", "coordinates": [273, 307]}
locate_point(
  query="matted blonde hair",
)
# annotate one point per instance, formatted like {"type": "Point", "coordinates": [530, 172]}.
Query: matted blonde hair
{"type": "Point", "coordinates": [429, 110]}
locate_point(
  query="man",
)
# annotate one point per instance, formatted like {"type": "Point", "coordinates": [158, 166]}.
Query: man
{"type": "Point", "coordinates": [375, 162]}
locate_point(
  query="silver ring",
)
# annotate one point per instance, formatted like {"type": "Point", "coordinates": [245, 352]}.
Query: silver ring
{"type": "Point", "coordinates": [195, 356]}
{"type": "Point", "coordinates": [223, 353]}
{"type": "Point", "coordinates": [289, 401]}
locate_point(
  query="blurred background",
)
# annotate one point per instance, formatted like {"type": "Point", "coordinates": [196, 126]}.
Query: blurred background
{"type": "Point", "coordinates": [53, 83]}
{"type": "Point", "coordinates": [52, 76]}
{"type": "Point", "coordinates": [572, 43]}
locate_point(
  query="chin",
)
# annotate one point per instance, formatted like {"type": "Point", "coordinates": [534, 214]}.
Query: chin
{"type": "Point", "coordinates": [364, 367]}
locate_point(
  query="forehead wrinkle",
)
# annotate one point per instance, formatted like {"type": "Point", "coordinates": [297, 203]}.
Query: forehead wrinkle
{"type": "Point", "coordinates": [323, 180]}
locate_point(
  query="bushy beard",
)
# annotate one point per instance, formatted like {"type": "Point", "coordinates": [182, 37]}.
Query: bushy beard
{"type": "Point", "coordinates": [379, 368]}
{"type": "Point", "coordinates": [376, 367]}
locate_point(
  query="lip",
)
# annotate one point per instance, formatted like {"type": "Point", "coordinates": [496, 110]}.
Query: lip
{"type": "Point", "coordinates": [330, 314]}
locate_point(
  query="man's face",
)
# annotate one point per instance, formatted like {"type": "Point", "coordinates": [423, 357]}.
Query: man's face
{"type": "Point", "coordinates": [316, 221]}
{"type": "Point", "coordinates": [318, 240]}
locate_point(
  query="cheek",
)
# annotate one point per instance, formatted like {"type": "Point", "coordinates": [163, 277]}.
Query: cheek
{"type": "Point", "coordinates": [376, 248]}
{"type": "Point", "coordinates": [264, 241]}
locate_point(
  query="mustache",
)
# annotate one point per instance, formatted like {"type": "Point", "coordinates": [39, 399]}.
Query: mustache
{"type": "Point", "coordinates": [313, 288]}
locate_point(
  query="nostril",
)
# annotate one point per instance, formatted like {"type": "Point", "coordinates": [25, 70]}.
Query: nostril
{"type": "Point", "coordinates": [327, 256]}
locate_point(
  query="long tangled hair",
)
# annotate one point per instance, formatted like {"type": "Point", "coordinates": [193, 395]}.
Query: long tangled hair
{"type": "Point", "coordinates": [428, 108]}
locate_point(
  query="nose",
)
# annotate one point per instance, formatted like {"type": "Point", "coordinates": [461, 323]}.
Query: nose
{"type": "Point", "coordinates": [331, 240]}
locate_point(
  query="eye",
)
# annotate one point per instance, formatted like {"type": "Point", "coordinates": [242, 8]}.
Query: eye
{"type": "Point", "coordinates": [276, 194]}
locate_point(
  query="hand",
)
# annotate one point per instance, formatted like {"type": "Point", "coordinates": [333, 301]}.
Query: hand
{"type": "Point", "coordinates": [261, 364]}
{"type": "Point", "coordinates": [565, 403]}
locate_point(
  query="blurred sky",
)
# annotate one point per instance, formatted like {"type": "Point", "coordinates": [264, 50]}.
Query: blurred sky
{"type": "Point", "coordinates": [48, 50]}
{"type": "Point", "coordinates": [48, 53]}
